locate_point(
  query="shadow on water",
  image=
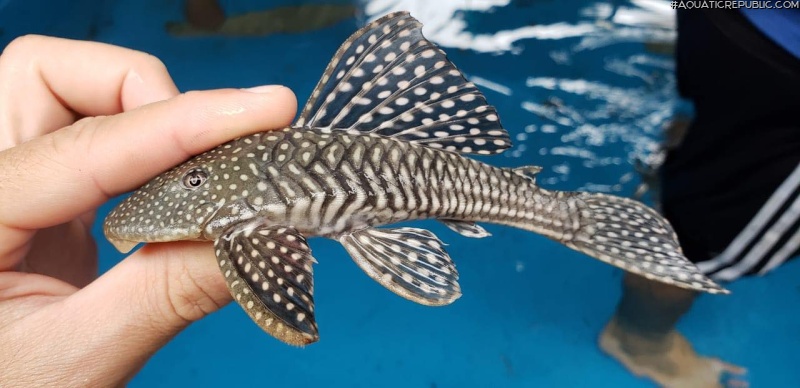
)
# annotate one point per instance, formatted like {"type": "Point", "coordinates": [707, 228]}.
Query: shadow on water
{"type": "Point", "coordinates": [202, 21]}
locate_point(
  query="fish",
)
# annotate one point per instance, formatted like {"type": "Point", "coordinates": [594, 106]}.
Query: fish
{"type": "Point", "coordinates": [384, 138]}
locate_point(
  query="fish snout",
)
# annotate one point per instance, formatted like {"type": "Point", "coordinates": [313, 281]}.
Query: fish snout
{"type": "Point", "coordinates": [125, 229]}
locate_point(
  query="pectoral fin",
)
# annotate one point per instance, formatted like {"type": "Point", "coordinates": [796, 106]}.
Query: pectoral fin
{"type": "Point", "coordinates": [409, 262]}
{"type": "Point", "coordinates": [268, 271]}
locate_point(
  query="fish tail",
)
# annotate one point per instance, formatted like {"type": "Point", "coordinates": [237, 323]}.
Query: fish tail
{"type": "Point", "coordinates": [624, 233]}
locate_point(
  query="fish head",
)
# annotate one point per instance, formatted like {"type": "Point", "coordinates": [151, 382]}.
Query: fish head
{"type": "Point", "coordinates": [176, 205]}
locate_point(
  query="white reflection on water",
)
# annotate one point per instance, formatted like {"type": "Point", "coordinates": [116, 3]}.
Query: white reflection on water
{"type": "Point", "coordinates": [446, 28]}
{"type": "Point", "coordinates": [650, 20]}
{"type": "Point", "coordinates": [491, 85]}
{"type": "Point", "coordinates": [575, 124]}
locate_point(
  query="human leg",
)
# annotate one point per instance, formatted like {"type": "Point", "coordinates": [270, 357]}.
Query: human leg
{"type": "Point", "coordinates": [642, 337]}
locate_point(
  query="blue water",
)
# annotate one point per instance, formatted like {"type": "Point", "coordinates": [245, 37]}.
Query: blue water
{"type": "Point", "coordinates": [581, 94]}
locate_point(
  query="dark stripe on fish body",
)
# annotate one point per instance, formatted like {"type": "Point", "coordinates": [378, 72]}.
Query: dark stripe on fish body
{"type": "Point", "coordinates": [436, 179]}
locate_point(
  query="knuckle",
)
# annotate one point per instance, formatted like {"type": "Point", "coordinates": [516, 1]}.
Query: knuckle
{"type": "Point", "coordinates": [151, 62]}
{"type": "Point", "coordinates": [80, 138]}
{"type": "Point", "coordinates": [18, 54]}
{"type": "Point", "coordinates": [79, 135]}
{"type": "Point", "coordinates": [23, 45]}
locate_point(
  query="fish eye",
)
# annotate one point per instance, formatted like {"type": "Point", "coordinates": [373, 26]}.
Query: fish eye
{"type": "Point", "coordinates": [194, 179]}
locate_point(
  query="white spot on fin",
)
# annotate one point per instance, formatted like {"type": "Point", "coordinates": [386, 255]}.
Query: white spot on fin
{"type": "Point", "coordinates": [394, 82]}
{"type": "Point", "coordinates": [629, 235]}
{"type": "Point", "coordinates": [276, 282]}
{"type": "Point", "coordinates": [410, 262]}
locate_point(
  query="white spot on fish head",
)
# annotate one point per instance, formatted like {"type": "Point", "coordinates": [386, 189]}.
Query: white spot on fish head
{"type": "Point", "coordinates": [180, 203]}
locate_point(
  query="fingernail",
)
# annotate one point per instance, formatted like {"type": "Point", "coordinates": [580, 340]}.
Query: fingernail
{"type": "Point", "coordinates": [263, 89]}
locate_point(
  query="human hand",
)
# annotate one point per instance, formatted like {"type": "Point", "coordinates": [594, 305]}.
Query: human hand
{"type": "Point", "coordinates": [81, 122]}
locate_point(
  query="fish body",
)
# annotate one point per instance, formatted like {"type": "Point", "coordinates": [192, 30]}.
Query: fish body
{"type": "Point", "coordinates": [325, 183]}
{"type": "Point", "coordinates": [383, 139]}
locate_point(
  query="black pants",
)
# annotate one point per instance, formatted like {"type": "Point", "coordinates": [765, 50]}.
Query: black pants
{"type": "Point", "coordinates": [744, 140]}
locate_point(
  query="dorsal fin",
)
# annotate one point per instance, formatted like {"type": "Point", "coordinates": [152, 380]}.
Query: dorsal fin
{"type": "Point", "coordinates": [389, 80]}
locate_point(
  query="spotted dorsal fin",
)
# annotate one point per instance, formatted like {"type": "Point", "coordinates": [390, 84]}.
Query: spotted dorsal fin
{"type": "Point", "coordinates": [389, 80]}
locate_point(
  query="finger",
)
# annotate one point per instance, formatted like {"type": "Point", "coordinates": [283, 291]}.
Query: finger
{"type": "Point", "coordinates": [121, 319]}
{"type": "Point", "coordinates": [45, 82]}
{"type": "Point", "coordinates": [66, 252]}
{"type": "Point", "coordinates": [97, 158]}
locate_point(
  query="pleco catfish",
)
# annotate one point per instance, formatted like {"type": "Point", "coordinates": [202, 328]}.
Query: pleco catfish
{"type": "Point", "coordinates": [380, 141]}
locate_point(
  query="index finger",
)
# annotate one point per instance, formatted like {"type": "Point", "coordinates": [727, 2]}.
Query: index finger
{"type": "Point", "coordinates": [46, 83]}
{"type": "Point", "coordinates": [53, 178]}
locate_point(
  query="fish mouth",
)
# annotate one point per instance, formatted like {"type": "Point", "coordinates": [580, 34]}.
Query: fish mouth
{"type": "Point", "coordinates": [125, 238]}
{"type": "Point", "coordinates": [126, 235]}
{"type": "Point", "coordinates": [125, 242]}
{"type": "Point", "coordinates": [124, 246]}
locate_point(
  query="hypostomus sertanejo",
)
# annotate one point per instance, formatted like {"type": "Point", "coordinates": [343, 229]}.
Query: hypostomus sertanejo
{"type": "Point", "coordinates": [382, 139]}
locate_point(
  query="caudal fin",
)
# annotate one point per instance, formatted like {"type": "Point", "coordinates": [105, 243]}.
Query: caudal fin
{"type": "Point", "coordinates": [629, 235]}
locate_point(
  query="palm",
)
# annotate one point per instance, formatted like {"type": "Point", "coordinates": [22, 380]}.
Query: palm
{"type": "Point", "coordinates": [48, 291]}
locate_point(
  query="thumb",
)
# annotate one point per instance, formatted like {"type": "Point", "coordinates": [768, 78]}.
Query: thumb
{"type": "Point", "coordinates": [121, 319]}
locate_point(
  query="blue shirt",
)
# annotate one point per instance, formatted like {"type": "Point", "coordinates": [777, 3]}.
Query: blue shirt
{"type": "Point", "coordinates": [780, 25]}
